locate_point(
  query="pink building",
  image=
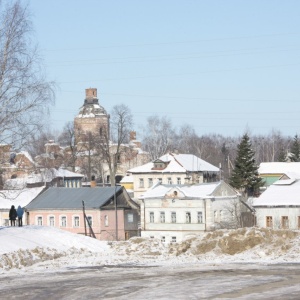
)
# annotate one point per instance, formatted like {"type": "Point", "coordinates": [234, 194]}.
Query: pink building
{"type": "Point", "coordinates": [90, 211]}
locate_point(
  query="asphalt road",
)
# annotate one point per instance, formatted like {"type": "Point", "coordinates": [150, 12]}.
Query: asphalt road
{"type": "Point", "coordinates": [246, 281]}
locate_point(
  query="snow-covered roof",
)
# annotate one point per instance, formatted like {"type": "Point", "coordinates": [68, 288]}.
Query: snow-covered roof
{"type": "Point", "coordinates": [18, 197]}
{"type": "Point", "coordinates": [281, 193]}
{"type": "Point", "coordinates": [178, 163]}
{"type": "Point", "coordinates": [280, 168]}
{"type": "Point", "coordinates": [27, 155]}
{"type": "Point", "coordinates": [127, 178]}
{"type": "Point", "coordinates": [203, 190]}
{"type": "Point", "coordinates": [48, 175]}
{"type": "Point", "coordinates": [15, 183]}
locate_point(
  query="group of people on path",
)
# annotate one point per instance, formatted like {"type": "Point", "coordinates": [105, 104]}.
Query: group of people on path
{"type": "Point", "coordinates": [14, 214]}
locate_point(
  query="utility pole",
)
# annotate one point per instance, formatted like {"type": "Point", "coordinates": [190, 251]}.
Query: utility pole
{"type": "Point", "coordinates": [116, 212]}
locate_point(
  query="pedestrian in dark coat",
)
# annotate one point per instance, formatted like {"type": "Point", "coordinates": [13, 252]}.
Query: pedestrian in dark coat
{"type": "Point", "coordinates": [12, 216]}
{"type": "Point", "coordinates": [20, 213]}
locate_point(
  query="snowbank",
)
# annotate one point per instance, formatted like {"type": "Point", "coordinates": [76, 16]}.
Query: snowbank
{"type": "Point", "coordinates": [47, 247]}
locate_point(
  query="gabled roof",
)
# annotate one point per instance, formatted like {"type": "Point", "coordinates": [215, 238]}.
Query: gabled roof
{"type": "Point", "coordinates": [197, 191]}
{"type": "Point", "coordinates": [178, 163]}
{"type": "Point", "coordinates": [66, 198]}
{"type": "Point", "coordinates": [281, 193]}
{"type": "Point", "coordinates": [280, 168]}
{"type": "Point", "coordinates": [49, 174]}
{"type": "Point", "coordinates": [18, 197]}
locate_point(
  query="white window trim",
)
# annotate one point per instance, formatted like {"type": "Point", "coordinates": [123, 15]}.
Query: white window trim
{"type": "Point", "coordinates": [51, 216]}
{"type": "Point", "coordinates": [60, 221]}
{"type": "Point", "coordinates": [37, 218]}
{"type": "Point", "coordinates": [106, 220]}
{"type": "Point", "coordinates": [73, 220]}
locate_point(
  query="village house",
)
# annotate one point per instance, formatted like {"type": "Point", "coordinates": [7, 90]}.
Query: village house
{"type": "Point", "coordinates": [172, 168]}
{"type": "Point", "coordinates": [107, 213]}
{"type": "Point", "coordinates": [173, 212]}
{"type": "Point", "coordinates": [14, 164]}
{"type": "Point", "coordinates": [278, 206]}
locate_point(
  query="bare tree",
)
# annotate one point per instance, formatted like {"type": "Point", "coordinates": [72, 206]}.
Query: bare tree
{"type": "Point", "coordinates": [158, 136]}
{"type": "Point", "coordinates": [110, 145]}
{"type": "Point", "coordinates": [25, 94]}
{"type": "Point", "coordinates": [67, 139]}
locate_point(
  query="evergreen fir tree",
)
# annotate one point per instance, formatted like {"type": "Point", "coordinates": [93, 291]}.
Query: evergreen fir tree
{"type": "Point", "coordinates": [295, 150]}
{"type": "Point", "coordinates": [245, 173]}
{"type": "Point", "coordinates": [282, 155]}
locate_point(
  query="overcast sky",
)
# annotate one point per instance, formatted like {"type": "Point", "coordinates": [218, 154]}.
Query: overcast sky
{"type": "Point", "coordinates": [220, 66]}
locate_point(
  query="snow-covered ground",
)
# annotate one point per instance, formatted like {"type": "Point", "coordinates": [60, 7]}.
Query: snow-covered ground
{"type": "Point", "coordinates": [260, 259]}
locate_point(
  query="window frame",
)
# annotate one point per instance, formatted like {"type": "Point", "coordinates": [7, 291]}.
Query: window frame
{"type": "Point", "coordinates": [49, 220]}
{"type": "Point", "coordinates": [199, 217]}
{"type": "Point", "coordinates": [61, 223]}
{"type": "Point", "coordinates": [188, 217]}
{"type": "Point", "coordinates": [285, 222]}
{"type": "Point", "coordinates": [151, 217]}
{"type": "Point", "coordinates": [141, 183]}
{"type": "Point", "coordinates": [173, 217]}
{"type": "Point", "coordinates": [162, 217]}
{"type": "Point", "coordinates": [38, 218]}
{"type": "Point", "coordinates": [269, 221]}
{"type": "Point", "coordinates": [75, 218]}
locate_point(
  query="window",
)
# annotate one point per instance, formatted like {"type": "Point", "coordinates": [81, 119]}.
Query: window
{"type": "Point", "coordinates": [178, 180]}
{"type": "Point", "coordinates": [173, 239]}
{"type": "Point", "coordinates": [199, 217]}
{"type": "Point", "coordinates": [130, 217]}
{"type": "Point", "coordinates": [51, 221]}
{"type": "Point", "coordinates": [188, 217]}
{"type": "Point", "coordinates": [215, 216]}
{"type": "Point", "coordinates": [76, 221]}
{"type": "Point", "coordinates": [89, 220]}
{"type": "Point", "coordinates": [169, 180]}
{"type": "Point", "coordinates": [285, 222]}
{"type": "Point", "coordinates": [298, 222]}
{"type": "Point", "coordinates": [160, 180]}
{"type": "Point", "coordinates": [269, 221]}
{"type": "Point", "coordinates": [106, 220]}
{"type": "Point", "coordinates": [163, 239]}
{"type": "Point", "coordinates": [150, 182]}
{"type": "Point", "coordinates": [151, 217]}
{"type": "Point", "coordinates": [63, 221]}
{"type": "Point", "coordinates": [173, 217]}
{"type": "Point", "coordinates": [40, 221]}
{"type": "Point", "coordinates": [162, 217]}
{"type": "Point", "coordinates": [141, 182]}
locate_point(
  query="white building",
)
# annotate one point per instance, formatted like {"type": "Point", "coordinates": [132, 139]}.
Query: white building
{"type": "Point", "coordinates": [279, 206]}
{"type": "Point", "coordinates": [173, 168]}
{"type": "Point", "coordinates": [173, 212]}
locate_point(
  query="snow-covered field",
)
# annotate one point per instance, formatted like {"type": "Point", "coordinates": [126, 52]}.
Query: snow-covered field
{"type": "Point", "coordinates": [253, 257]}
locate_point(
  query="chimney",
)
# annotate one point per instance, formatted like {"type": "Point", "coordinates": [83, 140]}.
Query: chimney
{"type": "Point", "coordinates": [93, 182]}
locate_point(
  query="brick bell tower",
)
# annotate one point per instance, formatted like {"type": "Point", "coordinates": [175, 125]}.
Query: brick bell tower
{"type": "Point", "coordinates": [92, 118]}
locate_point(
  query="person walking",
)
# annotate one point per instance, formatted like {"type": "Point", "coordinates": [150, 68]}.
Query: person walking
{"type": "Point", "coordinates": [20, 213]}
{"type": "Point", "coordinates": [12, 216]}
